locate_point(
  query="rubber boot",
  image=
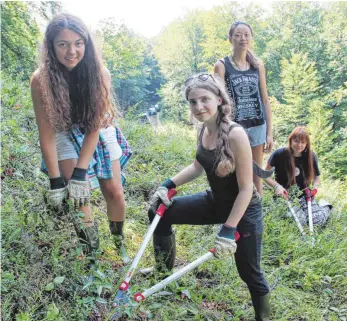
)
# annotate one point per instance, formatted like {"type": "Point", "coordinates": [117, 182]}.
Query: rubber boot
{"type": "Point", "coordinates": [116, 229]}
{"type": "Point", "coordinates": [89, 236]}
{"type": "Point", "coordinates": [262, 307]}
{"type": "Point", "coordinates": [164, 252]}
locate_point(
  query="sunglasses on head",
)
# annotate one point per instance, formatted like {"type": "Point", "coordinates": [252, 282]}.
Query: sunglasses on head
{"type": "Point", "coordinates": [201, 77]}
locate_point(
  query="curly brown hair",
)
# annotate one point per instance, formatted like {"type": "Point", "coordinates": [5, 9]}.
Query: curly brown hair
{"type": "Point", "coordinates": [81, 96]}
{"type": "Point", "coordinates": [225, 163]}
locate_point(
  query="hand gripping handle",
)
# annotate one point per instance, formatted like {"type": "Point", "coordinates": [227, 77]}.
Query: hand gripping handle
{"type": "Point", "coordinates": [140, 296]}
{"type": "Point", "coordinates": [161, 209]}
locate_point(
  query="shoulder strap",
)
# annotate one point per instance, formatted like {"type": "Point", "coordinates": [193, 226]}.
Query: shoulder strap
{"type": "Point", "coordinates": [222, 61]}
{"type": "Point", "coordinates": [201, 133]}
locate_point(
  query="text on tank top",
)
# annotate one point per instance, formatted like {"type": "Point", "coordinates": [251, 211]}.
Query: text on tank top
{"type": "Point", "coordinates": [243, 89]}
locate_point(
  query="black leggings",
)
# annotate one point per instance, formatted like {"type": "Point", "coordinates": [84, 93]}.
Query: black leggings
{"type": "Point", "coordinates": [201, 209]}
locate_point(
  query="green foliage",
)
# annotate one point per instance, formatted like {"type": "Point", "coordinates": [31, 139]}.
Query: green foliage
{"type": "Point", "coordinates": [20, 34]}
{"type": "Point", "coordinates": [134, 71]}
{"type": "Point", "coordinates": [44, 276]}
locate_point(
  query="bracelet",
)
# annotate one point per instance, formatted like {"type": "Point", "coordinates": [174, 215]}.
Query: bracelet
{"type": "Point", "coordinates": [275, 187]}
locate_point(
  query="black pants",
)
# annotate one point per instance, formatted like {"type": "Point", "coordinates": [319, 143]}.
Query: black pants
{"type": "Point", "coordinates": [201, 209]}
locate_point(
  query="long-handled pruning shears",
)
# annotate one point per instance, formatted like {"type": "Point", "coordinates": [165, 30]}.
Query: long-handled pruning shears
{"type": "Point", "coordinates": [121, 297]}
{"type": "Point", "coordinates": [296, 219]}
{"type": "Point", "coordinates": [308, 197]}
{"type": "Point", "coordinates": [140, 296]}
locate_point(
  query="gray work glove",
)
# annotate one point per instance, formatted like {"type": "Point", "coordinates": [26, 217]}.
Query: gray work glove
{"type": "Point", "coordinates": [56, 196]}
{"type": "Point", "coordinates": [225, 244]}
{"type": "Point", "coordinates": [78, 187]}
{"type": "Point", "coordinates": [161, 195]}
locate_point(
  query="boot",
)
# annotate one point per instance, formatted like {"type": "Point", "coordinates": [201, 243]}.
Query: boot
{"type": "Point", "coordinates": [116, 229]}
{"type": "Point", "coordinates": [89, 236]}
{"type": "Point", "coordinates": [164, 251]}
{"type": "Point", "coordinates": [262, 307]}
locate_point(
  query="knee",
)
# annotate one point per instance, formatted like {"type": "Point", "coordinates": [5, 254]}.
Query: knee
{"type": "Point", "coordinates": [114, 194]}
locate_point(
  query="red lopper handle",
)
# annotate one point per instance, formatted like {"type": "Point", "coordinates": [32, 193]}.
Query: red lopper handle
{"type": "Point", "coordinates": [161, 209]}
{"type": "Point", "coordinates": [308, 194]}
{"type": "Point", "coordinates": [237, 235]}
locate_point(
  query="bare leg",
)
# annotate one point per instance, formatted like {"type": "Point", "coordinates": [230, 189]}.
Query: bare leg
{"type": "Point", "coordinates": [257, 154]}
{"type": "Point", "coordinates": [66, 168]}
{"type": "Point", "coordinates": [112, 190]}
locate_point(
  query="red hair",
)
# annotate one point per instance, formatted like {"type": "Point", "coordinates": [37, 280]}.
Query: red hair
{"type": "Point", "coordinates": [300, 133]}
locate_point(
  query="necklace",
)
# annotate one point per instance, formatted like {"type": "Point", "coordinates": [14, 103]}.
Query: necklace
{"type": "Point", "coordinates": [246, 68]}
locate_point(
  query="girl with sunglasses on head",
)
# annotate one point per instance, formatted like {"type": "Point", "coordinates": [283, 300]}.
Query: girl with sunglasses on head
{"type": "Point", "coordinates": [71, 94]}
{"type": "Point", "coordinates": [297, 165]}
{"type": "Point", "coordinates": [224, 154]}
{"type": "Point", "coordinates": [244, 77]}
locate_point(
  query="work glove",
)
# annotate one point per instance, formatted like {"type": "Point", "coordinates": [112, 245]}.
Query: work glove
{"type": "Point", "coordinates": [161, 195]}
{"type": "Point", "coordinates": [57, 194]}
{"type": "Point", "coordinates": [225, 244]}
{"type": "Point", "coordinates": [78, 187]}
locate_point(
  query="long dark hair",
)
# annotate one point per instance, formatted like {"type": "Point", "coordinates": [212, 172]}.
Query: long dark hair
{"type": "Point", "coordinates": [250, 57]}
{"type": "Point", "coordinates": [81, 96]}
{"type": "Point", "coordinates": [300, 133]}
{"type": "Point", "coordinates": [225, 157]}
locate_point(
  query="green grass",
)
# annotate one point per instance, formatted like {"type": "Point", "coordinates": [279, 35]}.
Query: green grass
{"type": "Point", "coordinates": [43, 279]}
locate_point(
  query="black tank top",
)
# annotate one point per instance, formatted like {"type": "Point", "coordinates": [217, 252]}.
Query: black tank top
{"type": "Point", "coordinates": [243, 89]}
{"type": "Point", "coordinates": [224, 189]}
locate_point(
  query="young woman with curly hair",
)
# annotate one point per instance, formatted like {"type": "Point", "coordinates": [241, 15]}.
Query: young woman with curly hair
{"type": "Point", "coordinates": [71, 94]}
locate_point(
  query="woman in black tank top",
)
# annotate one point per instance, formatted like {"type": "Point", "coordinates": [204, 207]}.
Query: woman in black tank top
{"type": "Point", "coordinates": [224, 154]}
{"type": "Point", "coordinates": [244, 77]}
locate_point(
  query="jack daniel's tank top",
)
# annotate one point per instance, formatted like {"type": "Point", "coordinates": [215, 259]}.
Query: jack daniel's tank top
{"type": "Point", "coordinates": [243, 88]}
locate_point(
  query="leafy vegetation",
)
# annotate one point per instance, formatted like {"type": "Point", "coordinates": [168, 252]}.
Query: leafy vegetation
{"type": "Point", "coordinates": [44, 276]}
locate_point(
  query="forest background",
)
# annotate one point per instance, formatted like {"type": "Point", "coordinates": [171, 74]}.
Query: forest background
{"type": "Point", "coordinates": [304, 49]}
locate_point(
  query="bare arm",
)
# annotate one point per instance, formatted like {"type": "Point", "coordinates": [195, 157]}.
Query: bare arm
{"type": "Point", "coordinates": [46, 132]}
{"type": "Point", "coordinates": [278, 188]}
{"type": "Point", "coordinates": [88, 147]}
{"type": "Point", "coordinates": [188, 174]}
{"type": "Point", "coordinates": [270, 181]}
{"type": "Point", "coordinates": [266, 101]}
{"type": "Point", "coordinates": [244, 173]}
{"type": "Point", "coordinates": [219, 69]}
{"type": "Point", "coordinates": [316, 182]}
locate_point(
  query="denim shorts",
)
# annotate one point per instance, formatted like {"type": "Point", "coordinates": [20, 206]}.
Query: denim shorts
{"type": "Point", "coordinates": [257, 135]}
{"type": "Point", "coordinates": [66, 149]}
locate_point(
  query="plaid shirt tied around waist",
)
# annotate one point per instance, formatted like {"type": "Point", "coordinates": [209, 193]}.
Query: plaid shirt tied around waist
{"type": "Point", "coordinates": [100, 165]}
